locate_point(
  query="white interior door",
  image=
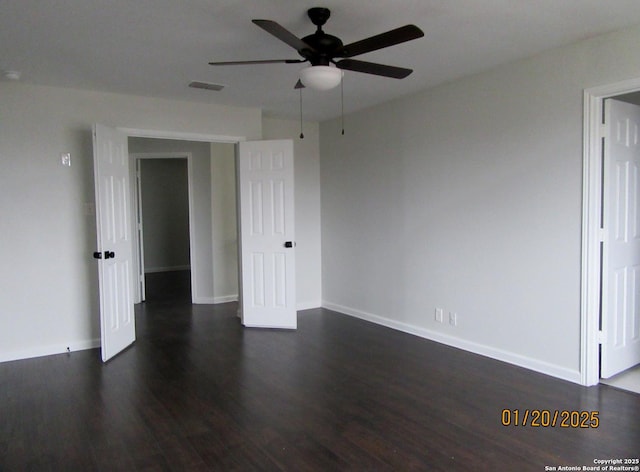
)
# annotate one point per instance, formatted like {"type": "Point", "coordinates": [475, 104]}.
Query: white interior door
{"type": "Point", "coordinates": [111, 170]}
{"type": "Point", "coordinates": [621, 256]}
{"type": "Point", "coordinates": [267, 234]}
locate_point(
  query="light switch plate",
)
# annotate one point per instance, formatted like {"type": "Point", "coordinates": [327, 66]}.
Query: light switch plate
{"type": "Point", "coordinates": [65, 159]}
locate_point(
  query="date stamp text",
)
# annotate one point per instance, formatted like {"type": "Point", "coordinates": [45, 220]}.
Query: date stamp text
{"type": "Point", "coordinates": [550, 418]}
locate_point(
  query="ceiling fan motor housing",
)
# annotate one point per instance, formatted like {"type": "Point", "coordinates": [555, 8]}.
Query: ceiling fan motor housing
{"type": "Point", "coordinates": [324, 45]}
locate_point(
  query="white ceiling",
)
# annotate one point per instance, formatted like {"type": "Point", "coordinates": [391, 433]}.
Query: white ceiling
{"type": "Point", "coordinates": [156, 47]}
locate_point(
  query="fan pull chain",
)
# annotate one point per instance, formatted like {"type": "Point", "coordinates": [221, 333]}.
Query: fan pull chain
{"type": "Point", "coordinates": [342, 102]}
{"type": "Point", "coordinates": [301, 133]}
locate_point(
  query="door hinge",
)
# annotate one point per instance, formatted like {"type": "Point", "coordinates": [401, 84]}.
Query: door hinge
{"type": "Point", "coordinates": [604, 130]}
{"type": "Point", "coordinates": [601, 337]}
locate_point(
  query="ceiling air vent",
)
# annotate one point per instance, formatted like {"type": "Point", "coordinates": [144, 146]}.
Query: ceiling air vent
{"type": "Point", "coordinates": [206, 86]}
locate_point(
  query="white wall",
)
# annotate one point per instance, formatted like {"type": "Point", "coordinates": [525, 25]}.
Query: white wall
{"type": "Point", "coordinates": [48, 280]}
{"type": "Point", "coordinates": [468, 197]}
{"type": "Point", "coordinates": [224, 230]}
{"type": "Point", "coordinates": [165, 209]}
{"type": "Point", "coordinates": [307, 205]}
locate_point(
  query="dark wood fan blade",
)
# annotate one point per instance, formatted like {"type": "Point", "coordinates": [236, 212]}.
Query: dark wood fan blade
{"type": "Point", "coordinates": [268, 61]}
{"type": "Point", "coordinates": [373, 68]}
{"type": "Point", "coordinates": [283, 34]}
{"type": "Point", "coordinates": [299, 85]}
{"type": "Point", "coordinates": [390, 38]}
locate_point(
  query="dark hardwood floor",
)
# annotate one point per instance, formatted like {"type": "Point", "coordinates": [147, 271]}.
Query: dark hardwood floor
{"type": "Point", "coordinates": [173, 285]}
{"type": "Point", "coordinates": [197, 392]}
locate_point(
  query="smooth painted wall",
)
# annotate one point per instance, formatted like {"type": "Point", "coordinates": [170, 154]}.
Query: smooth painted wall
{"type": "Point", "coordinates": [468, 197]}
{"type": "Point", "coordinates": [164, 192]}
{"type": "Point", "coordinates": [224, 227]}
{"type": "Point", "coordinates": [48, 279]}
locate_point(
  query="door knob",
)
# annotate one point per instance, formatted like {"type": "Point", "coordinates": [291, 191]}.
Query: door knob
{"type": "Point", "coordinates": [107, 255]}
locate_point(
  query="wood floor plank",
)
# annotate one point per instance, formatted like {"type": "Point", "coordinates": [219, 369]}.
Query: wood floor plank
{"type": "Point", "coordinates": [199, 392]}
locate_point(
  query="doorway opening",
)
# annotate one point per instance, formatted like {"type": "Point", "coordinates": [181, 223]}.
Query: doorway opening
{"type": "Point", "coordinates": [185, 243]}
{"type": "Point", "coordinates": [611, 236]}
{"type": "Point", "coordinates": [265, 175]}
{"type": "Point", "coordinates": [163, 226]}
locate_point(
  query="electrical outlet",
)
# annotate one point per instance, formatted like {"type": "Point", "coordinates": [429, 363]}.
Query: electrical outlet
{"type": "Point", "coordinates": [453, 318]}
{"type": "Point", "coordinates": [439, 315]}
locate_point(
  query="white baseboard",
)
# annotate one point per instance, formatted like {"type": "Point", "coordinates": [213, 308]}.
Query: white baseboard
{"type": "Point", "coordinates": [487, 351]}
{"type": "Point", "coordinates": [308, 305]}
{"type": "Point", "coordinates": [215, 300]}
{"type": "Point", "coordinates": [49, 350]}
{"type": "Point", "coordinates": [153, 270]}
{"type": "Point", "coordinates": [225, 299]}
{"type": "Point", "coordinates": [234, 298]}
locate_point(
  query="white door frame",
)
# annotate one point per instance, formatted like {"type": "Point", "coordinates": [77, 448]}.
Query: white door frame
{"type": "Point", "coordinates": [592, 233]}
{"type": "Point", "coordinates": [138, 243]}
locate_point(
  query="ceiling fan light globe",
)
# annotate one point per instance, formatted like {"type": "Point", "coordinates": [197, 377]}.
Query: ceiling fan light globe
{"type": "Point", "coordinates": [321, 77]}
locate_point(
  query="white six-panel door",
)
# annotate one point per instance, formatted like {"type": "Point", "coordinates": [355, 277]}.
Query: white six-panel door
{"type": "Point", "coordinates": [621, 255]}
{"type": "Point", "coordinates": [114, 252]}
{"type": "Point", "coordinates": [267, 234]}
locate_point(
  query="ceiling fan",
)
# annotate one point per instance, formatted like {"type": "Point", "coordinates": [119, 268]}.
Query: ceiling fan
{"type": "Point", "coordinates": [328, 55]}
